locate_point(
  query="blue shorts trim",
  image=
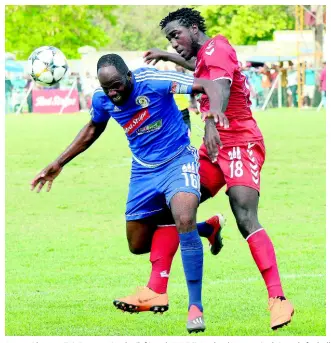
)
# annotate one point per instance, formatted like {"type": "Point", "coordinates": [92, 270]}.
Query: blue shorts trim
{"type": "Point", "coordinates": [137, 216]}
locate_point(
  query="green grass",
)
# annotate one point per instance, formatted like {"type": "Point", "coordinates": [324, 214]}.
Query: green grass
{"type": "Point", "coordinates": [67, 256]}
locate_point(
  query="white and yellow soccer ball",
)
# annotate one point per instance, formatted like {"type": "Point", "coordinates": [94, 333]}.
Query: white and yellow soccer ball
{"type": "Point", "coordinates": [47, 65]}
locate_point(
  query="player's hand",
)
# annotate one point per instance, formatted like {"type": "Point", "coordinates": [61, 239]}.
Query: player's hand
{"type": "Point", "coordinates": [194, 109]}
{"type": "Point", "coordinates": [154, 55]}
{"type": "Point", "coordinates": [212, 140]}
{"type": "Point", "coordinates": [46, 175]}
{"type": "Point", "coordinates": [218, 116]}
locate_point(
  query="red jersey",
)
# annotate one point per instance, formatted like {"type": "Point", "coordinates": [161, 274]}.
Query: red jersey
{"type": "Point", "coordinates": [218, 60]}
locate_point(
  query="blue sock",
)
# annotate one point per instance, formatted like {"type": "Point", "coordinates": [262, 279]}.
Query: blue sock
{"type": "Point", "coordinates": [192, 257]}
{"type": "Point", "coordinates": [204, 229]}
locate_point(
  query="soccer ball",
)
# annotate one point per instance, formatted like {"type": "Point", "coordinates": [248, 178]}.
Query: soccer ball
{"type": "Point", "coordinates": [47, 65]}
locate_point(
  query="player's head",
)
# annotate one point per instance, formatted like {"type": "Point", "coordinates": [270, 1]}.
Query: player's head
{"type": "Point", "coordinates": [115, 78]}
{"type": "Point", "coordinates": [183, 28]}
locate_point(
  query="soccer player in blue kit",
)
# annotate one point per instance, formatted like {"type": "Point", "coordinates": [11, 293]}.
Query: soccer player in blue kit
{"type": "Point", "coordinates": [164, 165]}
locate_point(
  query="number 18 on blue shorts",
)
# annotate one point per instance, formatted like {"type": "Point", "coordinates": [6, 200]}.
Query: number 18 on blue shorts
{"type": "Point", "coordinates": [151, 189]}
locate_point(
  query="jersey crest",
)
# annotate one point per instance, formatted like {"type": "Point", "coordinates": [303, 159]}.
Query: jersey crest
{"type": "Point", "coordinates": [143, 101]}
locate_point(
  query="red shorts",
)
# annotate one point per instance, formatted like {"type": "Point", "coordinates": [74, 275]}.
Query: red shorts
{"type": "Point", "coordinates": [235, 166]}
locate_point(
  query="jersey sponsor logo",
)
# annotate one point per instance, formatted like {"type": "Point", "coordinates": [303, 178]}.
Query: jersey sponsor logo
{"type": "Point", "coordinates": [116, 109]}
{"type": "Point", "coordinates": [142, 100]}
{"type": "Point", "coordinates": [177, 88]}
{"type": "Point", "coordinates": [150, 127]}
{"type": "Point", "coordinates": [136, 121]}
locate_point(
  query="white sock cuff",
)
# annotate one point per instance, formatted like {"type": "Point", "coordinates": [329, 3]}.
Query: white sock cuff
{"type": "Point", "coordinates": [254, 233]}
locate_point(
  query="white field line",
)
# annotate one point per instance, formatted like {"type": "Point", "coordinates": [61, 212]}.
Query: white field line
{"type": "Point", "coordinates": [256, 279]}
{"type": "Point", "coordinates": [282, 276]}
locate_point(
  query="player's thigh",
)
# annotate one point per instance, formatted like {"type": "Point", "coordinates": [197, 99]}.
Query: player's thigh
{"type": "Point", "coordinates": [241, 165]}
{"type": "Point", "coordinates": [181, 186]}
{"type": "Point", "coordinates": [140, 234]}
{"type": "Point", "coordinates": [211, 174]}
{"type": "Point", "coordinates": [181, 175]}
{"type": "Point", "coordinates": [144, 199]}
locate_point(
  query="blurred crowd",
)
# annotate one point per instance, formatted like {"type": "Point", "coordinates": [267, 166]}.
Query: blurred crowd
{"type": "Point", "coordinates": [17, 87]}
{"type": "Point", "coordinates": [265, 83]}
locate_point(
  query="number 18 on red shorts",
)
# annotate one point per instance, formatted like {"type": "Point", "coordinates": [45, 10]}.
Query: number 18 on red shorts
{"type": "Point", "coordinates": [236, 166]}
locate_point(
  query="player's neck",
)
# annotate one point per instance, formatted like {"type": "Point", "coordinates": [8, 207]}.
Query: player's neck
{"type": "Point", "coordinates": [202, 40]}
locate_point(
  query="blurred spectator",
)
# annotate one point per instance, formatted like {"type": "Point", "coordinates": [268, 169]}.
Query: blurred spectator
{"type": "Point", "coordinates": [323, 84]}
{"type": "Point", "coordinates": [82, 101]}
{"type": "Point", "coordinates": [266, 82]}
{"type": "Point", "coordinates": [309, 86]}
{"type": "Point", "coordinates": [292, 83]}
{"type": "Point", "coordinates": [256, 81]}
{"type": "Point", "coordinates": [8, 93]}
{"type": "Point", "coordinates": [283, 81]}
{"type": "Point", "coordinates": [18, 91]}
{"type": "Point", "coordinates": [89, 84]}
{"type": "Point", "coordinates": [29, 98]}
{"type": "Point", "coordinates": [273, 78]}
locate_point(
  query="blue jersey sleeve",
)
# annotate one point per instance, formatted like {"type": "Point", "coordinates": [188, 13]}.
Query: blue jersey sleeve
{"type": "Point", "coordinates": [99, 112]}
{"type": "Point", "coordinates": [167, 81]}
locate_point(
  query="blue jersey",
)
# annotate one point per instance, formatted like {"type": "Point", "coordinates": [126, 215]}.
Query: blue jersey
{"type": "Point", "coordinates": [150, 117]}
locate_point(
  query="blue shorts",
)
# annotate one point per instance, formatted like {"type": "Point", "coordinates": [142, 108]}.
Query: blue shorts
{"type": "Point", "coordinates": [151, 189]}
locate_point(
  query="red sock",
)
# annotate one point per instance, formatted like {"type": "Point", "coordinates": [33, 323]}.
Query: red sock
{"type": "Point", "coordinates": [264, 256]}
{"type": "Point", "coordinates": [164, 246]}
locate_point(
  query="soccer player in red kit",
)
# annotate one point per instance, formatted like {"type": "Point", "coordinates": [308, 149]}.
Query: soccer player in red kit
{"type": "Point", "coordinates": [231, 156]}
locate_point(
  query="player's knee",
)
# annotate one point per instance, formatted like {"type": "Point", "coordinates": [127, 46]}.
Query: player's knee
{"type": "Point", "coordinates": [185, 223]}
{"type": "Point", "coordinates": [138, 249]}
{"type": "Point", "coordinates": [247, 223]}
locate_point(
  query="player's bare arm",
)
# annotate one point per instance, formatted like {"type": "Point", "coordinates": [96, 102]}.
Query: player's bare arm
{"type": "Point", "coordinates": [212, 138]}
{"type": "Point", "coordinates": [155, 55]}
{"type": "Point", "coordinates": [86, 137]}
{"type": "Point", "coordinates": [218, 99]}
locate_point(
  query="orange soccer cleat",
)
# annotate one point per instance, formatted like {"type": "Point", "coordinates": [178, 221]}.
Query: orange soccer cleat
{"type": "Point", "coordinates": [281, 312]}
{"type": "Point", "coordinates": [143, 300]}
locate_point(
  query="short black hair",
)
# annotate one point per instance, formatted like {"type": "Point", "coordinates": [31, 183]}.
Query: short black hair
{"type": "Point", "coordinates": [113, 60]}
{"type": "Point", "coordinates": [186, 17]}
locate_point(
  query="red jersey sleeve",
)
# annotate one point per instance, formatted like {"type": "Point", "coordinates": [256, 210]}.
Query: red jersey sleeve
{"type": "Point", "coordinates": [220, 59]}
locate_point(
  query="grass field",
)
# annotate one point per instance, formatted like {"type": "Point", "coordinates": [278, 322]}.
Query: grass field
{"type": "Point", "coordinates": [67, 256]}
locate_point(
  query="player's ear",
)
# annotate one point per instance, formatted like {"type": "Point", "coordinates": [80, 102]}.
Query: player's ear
{"type": "Point", "coordinates": [195, 28]}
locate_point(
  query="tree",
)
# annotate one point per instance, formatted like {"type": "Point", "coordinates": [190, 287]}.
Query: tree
{"type": "Point", "coordinates": [28, 27]}
{"type": "Point", "coordinates": [138, 27]}
{"type": "Point", "coordinates": [246, 25]}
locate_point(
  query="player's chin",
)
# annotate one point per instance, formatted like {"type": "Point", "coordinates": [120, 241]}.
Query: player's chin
{"type": "Point", "coordinates": [187, 56]}
{"type": "Point", "coordinates": [117, 100]}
